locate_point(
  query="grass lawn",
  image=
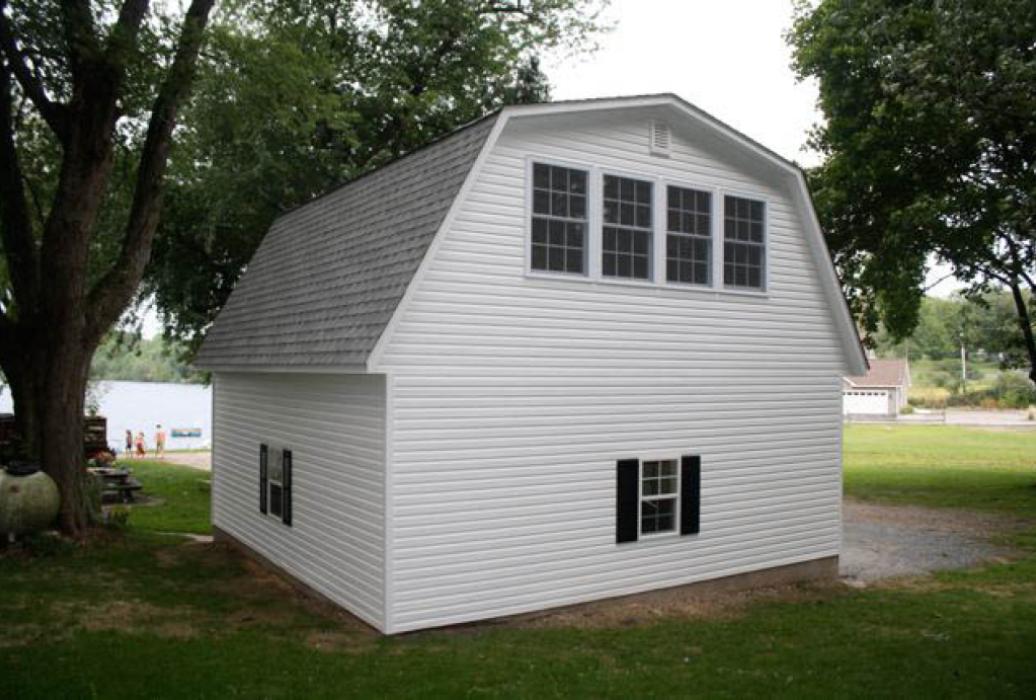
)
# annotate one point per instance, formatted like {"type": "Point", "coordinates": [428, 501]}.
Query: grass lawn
{"type": "Point", "coordinates": [181, 495]}
{"type": "Point", "coordinates": [146, 615]}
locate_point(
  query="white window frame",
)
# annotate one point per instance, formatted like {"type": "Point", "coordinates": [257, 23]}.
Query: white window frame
{"type": "Point", "coordinates": [713, 193]}
{"type": "Point", "coordinates": [654, 181]}
{"type": "Point", "coordinates": [270, 481]}
{"type": "Point", "coordinates": [588, 233]}
{"type": "Point", "coordinates": [641, 497]}
{"type": "Point", "coordinates": [657, 278]}
{"type": "Point", "coordinates": [720, 238]}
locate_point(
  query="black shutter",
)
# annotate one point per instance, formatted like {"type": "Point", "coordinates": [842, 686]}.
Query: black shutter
{"type": "Point", "coordinates": [263, 458]}
{"type": "Point", "coordinates": [286, 488]}
{"type": "Point", "coordinates": [690, 494]}
{"type": "Point", "coordinates": [627, 500]}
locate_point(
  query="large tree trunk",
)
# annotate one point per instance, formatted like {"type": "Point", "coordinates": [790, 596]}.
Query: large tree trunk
{"type": "Point", "coordinates": [60, 415]}
{"type": "Point", "coordinates": [21, 370]}
{"type": "Point", "coordinates": [25, 396]}
{"type": "Point", "coordinates": [47, 344]}
{"type": "Point", "coordinates": [1025, 321]}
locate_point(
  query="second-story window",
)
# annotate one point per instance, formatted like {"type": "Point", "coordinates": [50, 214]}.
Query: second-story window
{"type": "Point", "coordinates": [626, 244]}
{"type": "Point", "coordinates": [744, 245]}
{"type": "Point", "coordinates": [688, 245]}
{"type": "Point", "coordinates": [558, 219]}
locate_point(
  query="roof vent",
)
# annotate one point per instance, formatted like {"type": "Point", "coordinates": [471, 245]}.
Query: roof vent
{"type": "Point", "coordinates": [660, 138]}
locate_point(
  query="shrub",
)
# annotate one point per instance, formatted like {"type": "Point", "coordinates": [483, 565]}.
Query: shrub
{"type": "Point", "coordinates": [117, 518]}
{"type": "Point", "coordinates": [1014, 390]}
{"type": "Point", "coordinates": [906, 410]}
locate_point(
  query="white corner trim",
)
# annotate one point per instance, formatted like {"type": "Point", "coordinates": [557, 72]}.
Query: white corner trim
{"type": "Point", "coordinates": [856, 360]}
{"type": "Point", "coordinates": [374, 358]}
{"type": "Point", "coordinates": [388, 515]}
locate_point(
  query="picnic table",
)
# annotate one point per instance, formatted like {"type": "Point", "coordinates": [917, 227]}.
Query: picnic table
{"type": "Point", "coordinates": [119, 483]}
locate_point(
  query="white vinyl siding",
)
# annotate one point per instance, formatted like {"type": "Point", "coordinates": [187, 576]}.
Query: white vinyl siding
{"type": "Point", "coordinates": [334, 426]}
{"type": "Point", "coordinates": [514, 394]}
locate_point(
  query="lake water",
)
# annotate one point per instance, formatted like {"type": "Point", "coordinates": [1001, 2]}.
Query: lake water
{"type": "Point", "coordinates": [140, 406]}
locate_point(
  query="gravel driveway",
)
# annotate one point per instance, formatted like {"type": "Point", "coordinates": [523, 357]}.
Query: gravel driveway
{"type": "Point", "coordinates": [885, 541]}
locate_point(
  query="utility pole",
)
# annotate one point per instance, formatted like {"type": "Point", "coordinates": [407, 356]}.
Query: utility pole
{"type": "Point", "coordinates": [963, 351]}
{"type": "Point", "coordinates": [963, 367]}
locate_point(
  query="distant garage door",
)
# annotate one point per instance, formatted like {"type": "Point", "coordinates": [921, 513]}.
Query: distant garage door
{"type": "Point", "coordinates": [864, 402]}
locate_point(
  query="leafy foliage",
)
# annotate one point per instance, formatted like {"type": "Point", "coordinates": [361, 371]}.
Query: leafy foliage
{"type": "Point", "coordinates": [295, 96]}
{"type": "Point", "coordinates": [152, 360]}
{"type": "Point", "coordinates": [987, 324]}
{"type": "Point", "coordinates": [930, 147]}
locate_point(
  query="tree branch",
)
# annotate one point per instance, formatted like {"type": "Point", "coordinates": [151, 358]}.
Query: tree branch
{"type": "Point", "coordinates": [80, 36]}
{"type": "Point", "coordinates": [113, 291]}
{"type": "Point", "coordinates": [124, 34]}
{"type": "Point", "coordinates": [16, 234]}
{"type": "Point", "coordinates": [54, 113]}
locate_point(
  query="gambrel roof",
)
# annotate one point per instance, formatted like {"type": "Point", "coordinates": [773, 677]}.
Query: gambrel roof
{"type": "Point", "coordinates": [329, 278]}
{"type": "Point", "coordinates": [326, 278]}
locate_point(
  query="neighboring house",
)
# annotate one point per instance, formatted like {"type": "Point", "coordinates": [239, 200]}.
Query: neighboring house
{"type": "Point", "coordinates": [882, 391]}
{"type": "Point", "coordinates": [570, 351]}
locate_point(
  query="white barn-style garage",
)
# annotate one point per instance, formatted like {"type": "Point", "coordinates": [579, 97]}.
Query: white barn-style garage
{"type": "Point", "coordinates": [880, 393]}
{"type": "Point", "coordinates": [568, 352]}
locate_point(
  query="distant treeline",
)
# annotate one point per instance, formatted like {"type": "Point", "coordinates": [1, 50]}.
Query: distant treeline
{"type": "Point", "coordinates": [987, 326]}
{"type": "Point", "coordinates": [135, 359]}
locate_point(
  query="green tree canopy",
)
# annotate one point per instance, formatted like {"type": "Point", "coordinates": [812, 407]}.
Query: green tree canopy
{"type": "Point", "coordinates": [930, 147]}
{"type": "Point", "coordinates": [294, 97]}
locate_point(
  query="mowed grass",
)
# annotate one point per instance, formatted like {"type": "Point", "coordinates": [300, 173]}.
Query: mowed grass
{"type": "Point", "coordinates": [943, 466]}
{"type": "Point", "coordinates": [143, 614]}
{"type": "Point", "coordinates": [181, 497]}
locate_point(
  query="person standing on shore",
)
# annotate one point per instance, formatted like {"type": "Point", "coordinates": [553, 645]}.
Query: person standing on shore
{"type": "Point", "coordinates": [141, 452]}
{"type": "Point", "coordinates": [129, 443]}
{"type": "Point", "coordinates": [159, 442]}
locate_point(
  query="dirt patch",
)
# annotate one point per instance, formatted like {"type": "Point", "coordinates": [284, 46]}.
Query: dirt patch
{"type": "Point", "coordinates": [883, 541]}
{"type": "Point", "coordinates": [130, 615]}
{"type": "Point", "coordinates": [335, 641]}
{"type": "Point", "coordinates": [880, 543]}
{"type": "Point", "coordinates": [195, 460]}
{"type": "Point", "coordinates": [681, 602]}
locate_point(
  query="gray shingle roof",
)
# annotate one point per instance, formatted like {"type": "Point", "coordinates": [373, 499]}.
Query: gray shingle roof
{"type": "Point", "coordinates": [884, 373]}
{"type": "Point", "coordinates": [327, 277]}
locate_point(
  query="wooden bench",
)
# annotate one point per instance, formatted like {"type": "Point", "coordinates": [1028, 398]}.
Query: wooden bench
{"type": "Point", "coordinates": [119, 484]}
{"type": "Point", "coordinates": [123, 491]}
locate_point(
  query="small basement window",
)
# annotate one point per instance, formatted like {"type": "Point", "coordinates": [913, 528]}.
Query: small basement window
{"type": "Point", "coordinates": [626, 246]}
{"type": "Point", "coordinates": [558, 219]}
{"type": "Point", "coordinates": [744, 242]}
{"type": "Point", "coordinates": [275, 484]}
{"type": "Point", "coordinates": [659, 492]}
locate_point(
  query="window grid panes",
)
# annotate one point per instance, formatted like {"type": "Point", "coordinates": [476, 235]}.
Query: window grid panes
{"type": "Point", "coordinates": [626, 244]}
{"type": "Point", "coordinates": [275, 482]}
{"type": "Point", "coordinates": [658, 494]}
{"type": "Point", "coordinates": [689, 235]}
{"type": "Point", "coordinates": [743, 242]}
{"type": "Point", "coordinates": [558, 218]}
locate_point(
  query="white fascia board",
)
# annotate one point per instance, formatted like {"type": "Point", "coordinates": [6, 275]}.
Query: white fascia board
{"type": "Point", "coordinates": [856, 358]}
{"type": "Point", "coordinates": [281, 369]}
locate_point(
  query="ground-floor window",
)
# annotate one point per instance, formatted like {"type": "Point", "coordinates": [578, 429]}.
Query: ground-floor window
{"type": "Point", "coordinates": [659, 496]}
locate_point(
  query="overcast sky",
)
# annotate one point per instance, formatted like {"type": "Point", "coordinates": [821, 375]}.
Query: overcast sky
{"type": "Point", "coordinates": [729, 58]}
